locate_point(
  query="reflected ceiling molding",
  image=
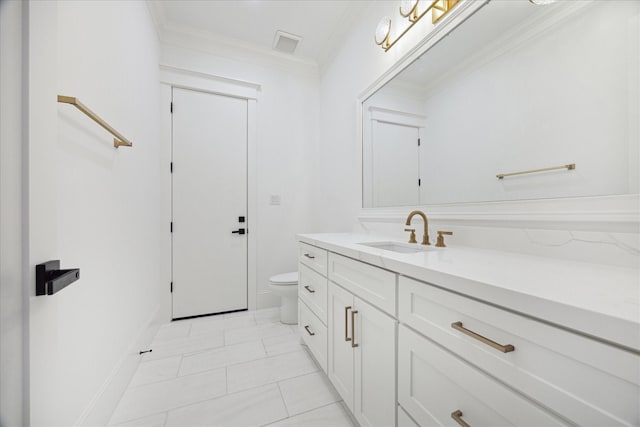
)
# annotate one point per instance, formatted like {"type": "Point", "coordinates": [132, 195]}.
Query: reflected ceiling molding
{"type": "Point", "coordinates": [409, 10]}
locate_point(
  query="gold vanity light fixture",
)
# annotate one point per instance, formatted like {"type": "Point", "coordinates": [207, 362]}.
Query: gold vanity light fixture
{"type": "Point", "coordinates": [409, 9]}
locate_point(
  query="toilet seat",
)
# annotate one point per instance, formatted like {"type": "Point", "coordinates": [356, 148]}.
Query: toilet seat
{"type": "Point", "coordinates": [285, 279]}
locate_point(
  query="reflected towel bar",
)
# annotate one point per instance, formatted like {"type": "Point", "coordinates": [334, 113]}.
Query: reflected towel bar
{"type": "Point", "coordinates": [572, 166]}
{"type": "Point", "coordinates": [118, 141]}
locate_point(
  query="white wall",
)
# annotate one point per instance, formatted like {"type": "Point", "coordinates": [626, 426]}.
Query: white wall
{"type": "Point", "coordinates": [92, 206]}
{"type": "Point", "coordinates": [287, 126]}
{"type": "Point", "coordinates": [13, 366]}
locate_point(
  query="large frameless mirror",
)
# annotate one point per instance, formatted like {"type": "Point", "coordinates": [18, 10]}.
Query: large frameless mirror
{"type": "Point", "coordinates": [519, 102]}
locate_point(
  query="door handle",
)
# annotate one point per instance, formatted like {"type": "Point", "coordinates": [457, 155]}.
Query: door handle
{"type": "Point", "coordinates": [310, 290]}
{"type": "Point", "coordinates": [308, 331]}
{"type": "Point", "coordinates": [239, 231]}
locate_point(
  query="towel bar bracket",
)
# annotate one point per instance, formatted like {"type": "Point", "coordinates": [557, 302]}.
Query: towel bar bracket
{"type": "Point", "coordinates": [51, 279]}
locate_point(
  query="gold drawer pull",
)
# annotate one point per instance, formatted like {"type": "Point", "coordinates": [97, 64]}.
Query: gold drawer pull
{"type": "Point", "coordinates": [309, 256]}
{"type": "Point", "coordinates": [353, 329]}
{"type": "Point", "coordinates": [310, 290]}
{"type": "Point", "coordinates": [503, 348]}
{"type": "Point", "coordinates": [308, 331]}
{"type": "Point", "coordinates": [457, 416]}
{"type": "Point", "coordinates": [346, 323]}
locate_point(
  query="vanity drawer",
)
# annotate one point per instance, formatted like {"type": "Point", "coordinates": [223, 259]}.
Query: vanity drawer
{"type": "Point", "coordinates": [313, 257]}
{"type": "Point", "coordinates": [313, 333]}
{"type": "Point", "coordinates": [433, 384]}
{"type": "Point", "coordinates": [372, 284]}
{"type": "Point", "coordinates": [312, 289]}
{"type": "Point", "coordinates": [586, 381]}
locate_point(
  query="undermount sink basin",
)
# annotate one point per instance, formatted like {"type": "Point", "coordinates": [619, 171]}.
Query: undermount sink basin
{"type": "Point", "coordinates": [403, 248]}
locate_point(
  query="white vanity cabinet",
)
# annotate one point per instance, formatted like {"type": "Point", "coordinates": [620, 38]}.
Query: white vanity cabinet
{"type": "Point", "coordinates": [362, 357]}
{"type": "Point", "coordinates": [362, 339]}
{"type": "Point", "coordinates": [412, 342]}
{"type": "Point", "coordinates": [576, 379]}
{"type": "Point", "coordinates": [312, 301]}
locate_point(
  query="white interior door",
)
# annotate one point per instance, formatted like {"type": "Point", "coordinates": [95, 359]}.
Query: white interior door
{"type": "Point", "coordinates": [209, 194]}
{"type": "Point", "coordinates": [396, 165]}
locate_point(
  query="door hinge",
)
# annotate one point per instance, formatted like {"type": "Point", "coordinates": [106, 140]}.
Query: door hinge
{"type": "Point", "coordinates": [171, 287]}
{"type": "Point", "coordinates": [171, 107]}
{"type": "Point", "coordinates": [419, 182]}
{"type": "Point", "coordinates": [418, 142]}
{"type": "Point", "coordinates": [171, 167]}
{"type": "Point", "coordinates": [171, 227]}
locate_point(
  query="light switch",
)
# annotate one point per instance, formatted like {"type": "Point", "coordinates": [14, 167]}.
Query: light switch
{"type": "Point", "coordinates": [274, 200]}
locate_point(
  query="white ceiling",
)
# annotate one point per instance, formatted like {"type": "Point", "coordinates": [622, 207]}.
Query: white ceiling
{"type": "Point", "coordinates": [253, 23]}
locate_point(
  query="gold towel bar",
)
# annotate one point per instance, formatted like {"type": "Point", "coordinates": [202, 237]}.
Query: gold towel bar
{"type": "Point", "coordinates": [572, 166]}
{"type": "Point", "coordinates": [118, 141]}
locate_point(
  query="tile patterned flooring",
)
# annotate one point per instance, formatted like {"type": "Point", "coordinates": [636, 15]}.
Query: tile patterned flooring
{"type": "Point", "coordinates": [237, 369]}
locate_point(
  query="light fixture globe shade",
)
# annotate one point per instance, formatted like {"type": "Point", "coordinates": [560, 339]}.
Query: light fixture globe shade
{"type": "Point", "coordinates": [383, 29]}
{"type": "Point", "coordinates": [407, 6]}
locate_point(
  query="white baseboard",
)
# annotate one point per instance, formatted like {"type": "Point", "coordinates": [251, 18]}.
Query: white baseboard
{"type": "Point", "coordinates": [98, 412]}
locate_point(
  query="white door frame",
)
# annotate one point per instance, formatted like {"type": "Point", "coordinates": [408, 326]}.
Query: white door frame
{"type": "Point", "coordinates": [185, 79]}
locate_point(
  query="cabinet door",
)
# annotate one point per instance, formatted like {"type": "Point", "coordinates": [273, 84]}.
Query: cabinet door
{"type": "Point", "coordinates": [374, 366]}
{"type": "Point", "coordinates": [340, 352]}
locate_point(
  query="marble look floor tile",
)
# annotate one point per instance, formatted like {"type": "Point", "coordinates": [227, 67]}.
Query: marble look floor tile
{"type": "Point", "coordinates": [255, 407]}
{"type": "Point", "coordinates": [334, 415]}
{"type": "Point", "coordinates": [307, 392]}
{"type": "Point", "coordinates": [271, 369]}
{"type": "Point", "coordinates": [185, 345]}
{"type": "Point", "coordinates": [256, 333]}
{"type": "Point", "coordinates": [171, 331]}
{"type": "Point", "coordinates": [159, 397]}
{"type": "Point", "coordinates": [156, 370]}
{"type": "Point", "coordinates": [283, 344]}
{"type": "Point", "coordinates": [156, 420]}
{"type": "Point", "coordinates": [223, 324]}
{"type": "Point", "coordinates": [221, 357]}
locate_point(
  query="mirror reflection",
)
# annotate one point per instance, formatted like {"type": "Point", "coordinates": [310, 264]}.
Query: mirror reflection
{"type": "Point", "coordinates": [517, 88]}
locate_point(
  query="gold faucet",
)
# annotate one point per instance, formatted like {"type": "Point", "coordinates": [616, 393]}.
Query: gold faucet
{"type": "Point", "coordinates": [425, 235]}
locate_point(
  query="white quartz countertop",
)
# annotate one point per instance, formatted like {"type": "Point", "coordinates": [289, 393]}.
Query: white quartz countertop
{"type": "Point", "coordinates": [598, 300]}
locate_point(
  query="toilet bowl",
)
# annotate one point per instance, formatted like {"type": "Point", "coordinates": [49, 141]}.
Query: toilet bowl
{"type": "Point", "coordinates": [286, 287]}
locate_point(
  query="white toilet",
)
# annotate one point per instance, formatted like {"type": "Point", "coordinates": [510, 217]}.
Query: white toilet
{"type": "Point", "coordinates": [286, 286]}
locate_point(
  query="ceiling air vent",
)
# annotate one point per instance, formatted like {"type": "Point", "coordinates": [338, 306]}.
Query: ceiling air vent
{"type": "Point", "coordinates": [285, 42]}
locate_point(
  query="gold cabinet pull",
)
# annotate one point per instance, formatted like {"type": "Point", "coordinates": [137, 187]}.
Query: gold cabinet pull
{"type": "Point", "coordinates": [308, 331]}
{"type": "Point", "coordinates": [457, 416]}
{"type": "Point", "coordinates": [503, 348]}
{"type": "Point", "coordinates": [353, 329]}
{"type": "Point", "coordinates": [310, 290]}
{"type": "Point", "coordinates": [309, 256]}
{"type": "Point", "coordinates": [346, 323]}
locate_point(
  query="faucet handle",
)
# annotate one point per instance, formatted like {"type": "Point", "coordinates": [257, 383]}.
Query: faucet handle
{"type": "Point", "coordinates": [412, 238]}
{"type": "Point", "coordinates": [441, 234]}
